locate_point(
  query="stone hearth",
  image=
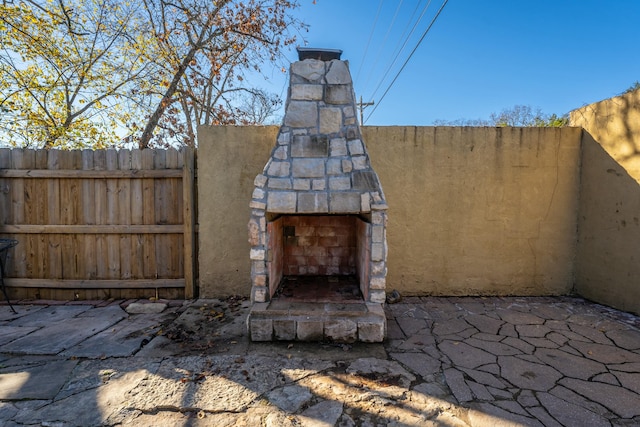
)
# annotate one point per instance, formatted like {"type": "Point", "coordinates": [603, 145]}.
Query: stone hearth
{"type": "Point", "coordinates": [318, 217]}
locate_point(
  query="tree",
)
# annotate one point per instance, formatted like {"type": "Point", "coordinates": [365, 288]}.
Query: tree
{"type": "Point", "coordinates": [75, 75]}
{"type": "Point", "coordinates": [205, 48]}
{"type": "Point", "coordinates": [634, 87]}
{"type": "Point", "coordinates": [518, 115]}
{"type": "Point", "coordinates": [62, 72]}
{"type": "Point", "coordinates": [259, 107]}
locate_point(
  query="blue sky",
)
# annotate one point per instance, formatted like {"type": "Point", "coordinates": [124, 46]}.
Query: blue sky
{"type": "Point", "coordinates": [479, 57]}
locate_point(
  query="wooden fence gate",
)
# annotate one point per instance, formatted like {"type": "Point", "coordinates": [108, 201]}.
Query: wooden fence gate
{"type": "Point", "coordinates": [99, 224]}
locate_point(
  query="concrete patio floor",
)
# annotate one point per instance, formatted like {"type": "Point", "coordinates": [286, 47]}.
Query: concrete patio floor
{"type": "Point", "coordinates": [491, 361]}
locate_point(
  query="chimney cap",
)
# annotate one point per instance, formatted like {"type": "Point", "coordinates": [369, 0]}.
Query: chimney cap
{"type": "Point", "coordinates": [317, 53]}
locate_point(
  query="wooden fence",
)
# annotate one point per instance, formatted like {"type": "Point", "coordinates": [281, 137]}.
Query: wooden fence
{"type": "Point", "coordinates": [99, 224]}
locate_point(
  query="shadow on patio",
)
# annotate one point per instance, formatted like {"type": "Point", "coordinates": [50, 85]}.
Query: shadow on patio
{"type": "Point", "coordinates": [538, 361]}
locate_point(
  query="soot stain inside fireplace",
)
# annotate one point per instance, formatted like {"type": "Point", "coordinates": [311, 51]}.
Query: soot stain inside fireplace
{"type": "Point", "coordinates": [339, 289]}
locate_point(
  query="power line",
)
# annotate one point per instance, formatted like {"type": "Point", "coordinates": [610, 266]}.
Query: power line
{"type": "Point", "coordinates": [364, 55]}
{"type": "Point", "coordinates": [384, 41]}
{"type": "Point", "coordinates": [401, 49]}
{"type": "Point", "coordinates": [410, 55]}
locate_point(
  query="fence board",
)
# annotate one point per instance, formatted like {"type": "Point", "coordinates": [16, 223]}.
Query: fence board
{"type": "Point", "coordinates": [17, 191]}
{"type": "Point", "coordinates": [124, 214]}
{"type": "Point", "coordinates": [188, 207]}
{"type": "Point", "coordinates": [5, 188]}
{"type": "Point", "coordinates": [98, 224]}
{"type": "Point", "coordinates": [88, 267]}
{"type": "Point", "coordinates": [113, 242]}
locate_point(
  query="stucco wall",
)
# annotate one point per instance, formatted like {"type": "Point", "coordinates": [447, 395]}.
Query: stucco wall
{"type": "Point", "coordinates": [229, 158]}
{"type": "Point", "coordinates": [472, 211]}
{"type": "Point", "coordinates": [615, 124]}
{"type": "Point", "coordinates": [608, 254]}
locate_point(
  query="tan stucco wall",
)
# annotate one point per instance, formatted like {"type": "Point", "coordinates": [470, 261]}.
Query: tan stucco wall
{"type": "Point", "coordinates": [608, 253]}
{"type": "Point", "coordinates": [229, 158]}
{"type": "Point", "coordinates": [472, 211]}
{"type": "Point", "coordinates": [479, 210]}
{"type": "Point", "coordinates": [615, 124]}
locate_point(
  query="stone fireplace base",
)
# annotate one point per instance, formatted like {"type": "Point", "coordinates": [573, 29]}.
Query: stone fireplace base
{"type": "Point", "coordinates": [285, 320]}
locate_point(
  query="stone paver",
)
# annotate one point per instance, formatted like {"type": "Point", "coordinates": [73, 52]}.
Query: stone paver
{"type": "Point", "coordinates": [446, 361]}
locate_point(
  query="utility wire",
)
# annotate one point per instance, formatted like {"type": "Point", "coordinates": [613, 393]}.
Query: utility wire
{"type": "Point", "coordinates": [410, 55]}
{"type": "Point", "coordinates": [399, 51]}
{"type": "Point", "coordinates": [364, 55]}
{"type": "Point", "coordinates": [381, 45]}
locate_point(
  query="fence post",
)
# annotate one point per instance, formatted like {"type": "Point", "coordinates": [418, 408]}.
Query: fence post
{"type": "Point", "coordinates": [189, 214]}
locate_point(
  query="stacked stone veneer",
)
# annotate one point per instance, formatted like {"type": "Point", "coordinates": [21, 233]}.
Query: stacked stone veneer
{"type": "Point", "coordinates": [319, 166]}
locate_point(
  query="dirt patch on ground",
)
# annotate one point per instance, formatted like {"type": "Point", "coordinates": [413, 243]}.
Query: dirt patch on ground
{"type": "Point", "coordinates": [209, 326]}
{"type": "Point", "coordinates": [219, 326]}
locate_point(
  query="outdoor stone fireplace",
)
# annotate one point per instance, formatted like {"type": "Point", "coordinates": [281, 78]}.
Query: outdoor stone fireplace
{"type": "Point", "coordinates": [318, 217]}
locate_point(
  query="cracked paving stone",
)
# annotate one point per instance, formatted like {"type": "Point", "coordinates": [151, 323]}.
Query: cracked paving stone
{"type": "Point", "coordinates": [619, 400]}
{"type": "Point", "coordinates": [573, 336]}
{"type": "Point", "coordinates": [290, 398]}
{"type": "Point", "coordinates": [533, 331]}
{"type": "Point", "coordinates": [570, 350]}
{"type": "Point", "coordinates": [491, 368]}
{"type": "Point", "coordinates": [610, 379]}
{"type": "Point", "coordinates": [630, 380]}
{"type": "Point", "coordinates": [464, 355]}
{"type": "Point", "coordinates": [453, 326]}
{"type": "Point", "coordinates": [426, 392]}
{"type": "Point", "coordinates": [394, 332]}
{"type": "Point", "coordinates": [479, 391]}
{"type": "Point", "coordinates": [508, 330]}
{"type": "Point", "coordinates": [48, 316]}
{"type": "Point", "coordinates": [551, 312]}
{"type": "Point", "coordinates": [420, 342]}
{"type": "Point", "coordinates": [591, 334]}
{"type": "Point", "coordinates": [519, 318]}
{"type": "Point", "coordinates": [627, 339]}
{"type": "Point", "coordinates": [35, 382]}
{"type": "Point", "coordinates": [541, 414]}
{"type": "Point", "coordinates": [527, 399]}
{"type": "Point", "coordinates": [323, 414]}
{"type": "Point", "coordinates": [410, 325]}
{"type": "Point", "coordinates": [495, 348]}
{"type": "Point", "coordinates": [521, 345]}
{"type": "Point", "coordinates": [487, 337]}
{"type": "Point", "coordinates": [570, 365]}
{"type": "Point", "coordinates": [94, 405]}
{"type": "Point", "coordinates": [419, 363]}
{"type": "Point", "coordinates": [571, 396]}
{"type": "Point", "coordinates": [584, 319]}
{"type": "Point", "coordinates": [499, 394]}
{"type": "Point", "coordinates": [485, 378]}
{"type": "Point", "coordinates": [92, 374]}
{"type": "Point", "coordinates": [606, 354]}
{"type": "Point", "coordinates": [511, 406]}
{"type": "Point", "coordinates": [527, 375]}
{"type": "Point", "coordinates": [387, 370]}
{"type": "Point", "coordinates": [215, 384]}
{"type": "Point", "coordinates": [624, 367]}
{"type": "Point", "coordinates": [557, 338]}
{"type": "Point", "coordinates": [487, 414]}
{"type": "Point", "coordinates": [540, 342]}
{"type": "Point", "coordinates": [457, 384]}
{"type": "Point", "coordinates": [569, 414]}
{"type": "Point", "coordinates": [556, 325]}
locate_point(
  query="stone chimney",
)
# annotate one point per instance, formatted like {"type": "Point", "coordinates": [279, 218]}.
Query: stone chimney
{"type": "Point", "coordinates": [319, 169]}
